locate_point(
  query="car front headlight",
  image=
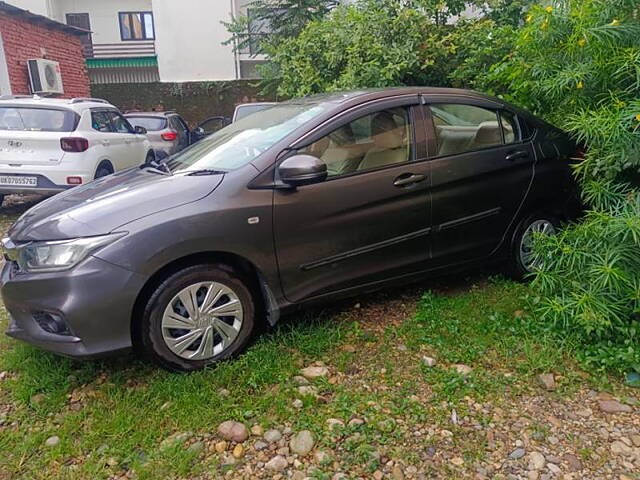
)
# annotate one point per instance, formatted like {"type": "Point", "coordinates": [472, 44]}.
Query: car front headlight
{"type": "Point", "coordinates": [59, 255]}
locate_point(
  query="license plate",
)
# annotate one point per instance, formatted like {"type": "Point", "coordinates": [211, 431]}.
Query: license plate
{"type": "Point", "coordinates": [19, 181]}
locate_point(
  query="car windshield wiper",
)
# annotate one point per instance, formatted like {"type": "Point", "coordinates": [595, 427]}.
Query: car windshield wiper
{"type": "Point", "coordinates": [156, 167]}
{"type": "Point", "coordinates": [204, 171]}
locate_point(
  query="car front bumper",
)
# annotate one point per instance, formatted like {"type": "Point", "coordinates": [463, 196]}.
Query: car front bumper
{"type": "Point", "coordinates": [95, 300]}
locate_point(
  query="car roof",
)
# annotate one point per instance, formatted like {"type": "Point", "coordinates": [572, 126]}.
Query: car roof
{"type": "Point", "coordinates": [76, 104]}
{"type": "Point", "coordinates": [150, 114]}
{"type": "Point", "coordinates": [376, 93]}
{"type": "Point", "coordinates": [251, 104]}
{"type": "Point", "coordinates": [355, 97]}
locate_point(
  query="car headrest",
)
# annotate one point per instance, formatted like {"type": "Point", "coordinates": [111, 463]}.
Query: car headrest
{"type": "Point", "coordinates": [343, 136]}
{"type": "Point", "coordinates": [488, 133]}
{"type": "Point", "coordinates": [385, 131]}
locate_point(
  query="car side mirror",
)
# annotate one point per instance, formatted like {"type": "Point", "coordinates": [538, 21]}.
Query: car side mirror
{"type": "Point", "coordinates": [138, 130]}
{"type": "Point", "coordinates": [198, 132]}
{"type": "Point", "coordinates": [301, 170]}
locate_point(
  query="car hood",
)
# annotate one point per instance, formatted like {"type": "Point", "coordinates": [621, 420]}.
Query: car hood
{"type": "Point", "coordinates": [102, 206]}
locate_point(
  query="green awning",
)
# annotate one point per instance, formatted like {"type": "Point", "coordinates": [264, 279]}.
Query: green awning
{"type": "Point", "coordinates": [130, 62]}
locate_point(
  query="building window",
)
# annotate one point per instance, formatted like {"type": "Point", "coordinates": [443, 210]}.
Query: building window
{"type": "Point", "coordinates": [136, 26]}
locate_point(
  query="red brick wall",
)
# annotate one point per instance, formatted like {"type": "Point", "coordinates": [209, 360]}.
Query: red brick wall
{"type": "Point", "coordinates": [23, 40]}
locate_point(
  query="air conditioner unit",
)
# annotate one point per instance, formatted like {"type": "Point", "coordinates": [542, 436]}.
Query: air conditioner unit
{"type": "Point", "coordinates": [44, 76]}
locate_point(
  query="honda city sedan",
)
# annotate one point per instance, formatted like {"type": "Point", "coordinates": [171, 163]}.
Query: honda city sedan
{"type": "Point", "coordinates": [312, 199]}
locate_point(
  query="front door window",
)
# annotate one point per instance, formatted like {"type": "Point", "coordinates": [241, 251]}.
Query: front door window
{"type": "Point", "coordinates": [373, 141]}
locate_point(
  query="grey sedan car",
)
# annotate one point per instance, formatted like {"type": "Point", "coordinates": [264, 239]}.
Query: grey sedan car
{"type": "Point", "coordinates": [310, 200]}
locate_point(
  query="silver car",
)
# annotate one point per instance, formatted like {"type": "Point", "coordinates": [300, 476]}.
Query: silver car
{"type": "Point", "coordinates": [167, 131]}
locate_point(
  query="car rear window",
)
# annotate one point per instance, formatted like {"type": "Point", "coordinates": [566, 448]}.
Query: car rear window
{"type": "Point", "coordinates": [37, 119]}
{"type": "Point", "coordinates": [150, 123]}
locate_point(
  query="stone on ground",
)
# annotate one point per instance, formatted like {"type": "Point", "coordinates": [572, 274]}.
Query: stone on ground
{"type": "Point", "coordinates": [463, 369]}
{"type": "Point", "coordinates": [613, 406]}
{"type": "Point", "coordinates": [276, 464]}
{"type": "Point", "coordinates": [548, 381]}
{"type": "Point", "coordinates": [314, 372]}
{"type": "Point", "coordinates": [302, 442]}
{"type": "Point", "coordinates": [272, 436]}
{"type": "Point", "coordinates": [233, 431]}
{"type": "Point", "coordinates": [429, 361]}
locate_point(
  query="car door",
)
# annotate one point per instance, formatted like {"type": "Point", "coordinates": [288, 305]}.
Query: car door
{"type": "Point", "coordinates": [209, 126]}
{"type": "Point", "coordinates": [369, 220]}
{"type": "Point", "coordinates": [183, 132]}
{"type": "Point", "coordinates": [481, 171]}
{"type": "Point", "coordinates": [106, 148]}
{"type": "Point", "coordinates": [130, 146]}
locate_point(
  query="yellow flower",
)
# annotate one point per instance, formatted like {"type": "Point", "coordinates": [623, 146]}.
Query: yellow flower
{"type": "Point", "coordinates": [549, 9]}
{"type": "Point", "coordinates": [615, 22]}
{"type": "Point", "coordinates": [529, 18]}
{"type": "Point", "coordinates": [638, 117]}
{"type": "Point", "coordinates": [582, 42]}
{"type": "Point", "coordinates": [580, 84]}
{"type": "Point", "coordinates": [544, 25]}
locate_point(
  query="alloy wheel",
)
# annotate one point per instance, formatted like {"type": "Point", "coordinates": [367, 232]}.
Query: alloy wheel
{"type": "Point", "coordinates": [527, 255]}
{"type": "Point", "coordinates": [202, 320]}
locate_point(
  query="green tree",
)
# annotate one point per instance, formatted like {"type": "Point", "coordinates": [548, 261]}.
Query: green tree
{"type": "Point", "coordinates": [577, 62]}
{"type": "Point", "coordinates": [267, 22]}
{"type": "Point", "coordinates": [472, 48]}
{"type": "Point", "coordinates": [359, 46]}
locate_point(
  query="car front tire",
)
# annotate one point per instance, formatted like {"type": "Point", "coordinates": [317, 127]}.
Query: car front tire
{"type": "Point", "coordinates": [197, 317]}
{"type": "Point", "coordinates": [522, 261]}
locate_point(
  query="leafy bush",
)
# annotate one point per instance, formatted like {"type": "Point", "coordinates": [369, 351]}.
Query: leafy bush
{"type": "Point", "coordinates": [471, 48]}
{"type": "Point", "coordinates": [577, 62]}
{"type": "Point", "coordinates": [355, 46]}
{"type": "Point", "coordinates": [382, 43]}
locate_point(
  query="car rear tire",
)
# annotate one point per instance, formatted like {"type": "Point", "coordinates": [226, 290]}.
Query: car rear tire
{"type": "Point", "coordinates": [522, 261]}
{"type": "Point", "coordinates": [103, 170]}
{"type": "Point", "coordinates": [197, 317]}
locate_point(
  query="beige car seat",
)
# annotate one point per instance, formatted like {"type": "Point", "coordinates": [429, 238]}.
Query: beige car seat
{"type": "Point", "coordinates": [389, 146]}
{"type": "Point", "coordinates": [487, 135]}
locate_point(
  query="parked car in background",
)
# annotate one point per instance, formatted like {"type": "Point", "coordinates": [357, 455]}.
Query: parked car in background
{"type": "Point", "coordinates": [49, 145]}
{"type": "Point", "coordinates": [312, 199]}
{"type": "Point", "coordinates": [245, 109]}
{"type": "Point", "coordinates": [167, 131]}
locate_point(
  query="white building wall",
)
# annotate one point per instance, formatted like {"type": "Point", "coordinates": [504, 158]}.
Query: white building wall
{"type": "Point", "coordinates": [41, 7]}
{"type": "Point", "coordinates": [189, 39]}
{"type": "Point", "coordinates": [103, 15]}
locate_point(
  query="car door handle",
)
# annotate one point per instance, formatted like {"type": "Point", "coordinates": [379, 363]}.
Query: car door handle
{"type": "Point", "coordinates": [516, 155]}
{"type": "Point", "coordinates": [106, 143]}
{"type": "Point", "coordinates": [407, 179]}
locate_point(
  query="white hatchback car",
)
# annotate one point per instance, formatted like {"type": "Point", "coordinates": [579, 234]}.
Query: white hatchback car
{"type": "Point", "coordinates": [49, 145]}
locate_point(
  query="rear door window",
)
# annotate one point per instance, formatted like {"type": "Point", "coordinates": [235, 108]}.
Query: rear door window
{"type": "Point", "coordinates": [509, 127]}
{"type": "Point", "coordinates": [464, 128]}
{"type": "Point", "coordinates": [37, 119]}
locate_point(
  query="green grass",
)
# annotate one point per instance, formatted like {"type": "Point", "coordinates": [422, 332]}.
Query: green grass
{"type": "Point", "coordinates": [128, 406]}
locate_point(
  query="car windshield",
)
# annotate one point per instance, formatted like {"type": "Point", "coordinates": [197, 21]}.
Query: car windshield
{"type": "Point", "coordinates": [149, 123]}
{"type": "Point", "coordinates": [243, 111]}
{"type": "Point", "coordinates": [37, 119]}
{"type": "Point", "coordinates": [240, 143]}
